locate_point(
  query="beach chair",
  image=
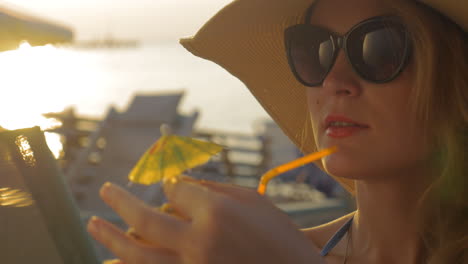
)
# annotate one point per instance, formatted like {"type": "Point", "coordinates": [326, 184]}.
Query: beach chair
{"type": "Point", "coordinates": [48, 228]}
{"type": "Point", "coordinates": [127, 135]}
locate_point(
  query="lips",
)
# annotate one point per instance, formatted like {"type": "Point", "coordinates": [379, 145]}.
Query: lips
{"type": "Point", "coordinates": [339, 118]}
{"type": "Point", "coordinates": [342, 131]}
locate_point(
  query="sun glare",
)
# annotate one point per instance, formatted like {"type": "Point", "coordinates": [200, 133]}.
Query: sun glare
{"type": "Point", "coordinates": [32, 84]}
{"type": "Point", "coordinates": [24, 45]}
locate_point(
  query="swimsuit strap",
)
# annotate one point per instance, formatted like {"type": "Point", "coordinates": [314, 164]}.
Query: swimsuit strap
{"type": "Point", "coordinates": [336, 238]}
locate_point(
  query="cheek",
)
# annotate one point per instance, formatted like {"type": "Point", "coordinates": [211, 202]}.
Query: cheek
{"type": "Point", "coordinates": [398, 139]}
{"type": "Point", "coordinates": [407, 139]}
{"type": "Point", "coordinates": [314, 103]}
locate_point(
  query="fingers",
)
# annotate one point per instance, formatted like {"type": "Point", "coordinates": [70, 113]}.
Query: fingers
{"type": "Point", "coordinates": [125, 247]}
{"type": "Point", "coordinates": [189, 196]}
{"type": "Point", "coordinates": [153, 226]}
{"type": "Point", "coordinates": [235, 191]}
{"type": "Point", "coordinates": [169, 209]}
{"type": "Point", "coordinates": [195, 198]}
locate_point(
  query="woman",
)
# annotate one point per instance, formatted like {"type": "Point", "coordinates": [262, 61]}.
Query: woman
{"type": "Point", "coordinates": [385, 82]}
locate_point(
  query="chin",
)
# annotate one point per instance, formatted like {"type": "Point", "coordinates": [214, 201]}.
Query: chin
{"type": "Point", "coordinates": [343, 167]}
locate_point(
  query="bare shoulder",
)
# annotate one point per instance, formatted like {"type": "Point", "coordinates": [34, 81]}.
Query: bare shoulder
{"type": "Point", "coordinates": [322, 233]}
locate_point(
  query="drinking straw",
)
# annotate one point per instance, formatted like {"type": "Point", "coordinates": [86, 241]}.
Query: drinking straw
{"type": "Point", "coordinates": [290, 166]}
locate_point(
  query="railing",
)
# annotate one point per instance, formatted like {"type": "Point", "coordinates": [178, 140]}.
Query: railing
{"type": "Point", "coordinates": [246, 155]}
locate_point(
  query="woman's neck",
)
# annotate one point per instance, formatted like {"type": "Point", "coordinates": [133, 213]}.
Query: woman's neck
{"type": "Point", "coordinates": [386, 225]}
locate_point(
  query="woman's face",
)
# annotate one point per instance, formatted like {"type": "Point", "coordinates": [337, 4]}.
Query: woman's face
{"type": "Point", "coordinates": [392, 143]}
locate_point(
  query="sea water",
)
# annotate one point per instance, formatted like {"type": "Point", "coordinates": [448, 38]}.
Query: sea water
{"type": "Point", "coordinates": [37, 80]}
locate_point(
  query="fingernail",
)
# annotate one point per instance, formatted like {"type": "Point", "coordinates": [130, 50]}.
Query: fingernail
{"type": "Point", "coordinates": [168, 184]}
{"type": "Point", "coordinates": [106, 189]}
{"type": "Point", "coordinates": [167, 208]}
{"type": "Point", "coordinates": [171, 183]}
{"type": "Point", "coordinates": [170, 180]}
{"type": "Point", "coordinates": [93, 225]}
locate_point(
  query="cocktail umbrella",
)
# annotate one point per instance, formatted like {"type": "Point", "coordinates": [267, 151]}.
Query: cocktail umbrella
{"type": "Point", "coordinates": [170, 156]}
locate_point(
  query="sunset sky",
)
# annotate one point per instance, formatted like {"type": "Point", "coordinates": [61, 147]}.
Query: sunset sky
{"type": "Point", "coordinates": [146, 20]}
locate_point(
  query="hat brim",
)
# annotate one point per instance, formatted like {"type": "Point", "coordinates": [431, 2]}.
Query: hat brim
{"type": "Point", "coordinates": [456, 10]}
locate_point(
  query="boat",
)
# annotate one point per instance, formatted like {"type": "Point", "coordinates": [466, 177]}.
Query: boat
{"type": "Point", "coordinates": [108, 42]}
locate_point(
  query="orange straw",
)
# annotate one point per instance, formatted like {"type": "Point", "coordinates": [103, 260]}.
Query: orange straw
{"type": "Point", "coordinates": [292, 165]}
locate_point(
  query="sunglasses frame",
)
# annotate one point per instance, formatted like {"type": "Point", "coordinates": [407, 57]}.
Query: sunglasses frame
{"type": "Point", "coordinates": [340, 42]}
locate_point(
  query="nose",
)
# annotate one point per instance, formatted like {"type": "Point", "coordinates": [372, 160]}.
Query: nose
{"type": "Point", "coordinates": [342, 80]}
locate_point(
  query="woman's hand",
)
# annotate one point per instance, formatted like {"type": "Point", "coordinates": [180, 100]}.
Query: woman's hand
{"type": "Point", "coordinates": [215, 223]}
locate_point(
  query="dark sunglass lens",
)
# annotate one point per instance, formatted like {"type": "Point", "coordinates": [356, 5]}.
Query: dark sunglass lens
{"type": "Point", "coordinates": [378, 53]}
{"type": "Point", "coordinates": [311, 54]}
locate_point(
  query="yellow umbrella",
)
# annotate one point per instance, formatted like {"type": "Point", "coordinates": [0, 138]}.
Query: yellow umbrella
{"type": "Point", "coordinates": [170, 156]}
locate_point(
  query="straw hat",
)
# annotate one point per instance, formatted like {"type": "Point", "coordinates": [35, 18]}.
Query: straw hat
{"type": "Point", "coordinates": [246, 38]}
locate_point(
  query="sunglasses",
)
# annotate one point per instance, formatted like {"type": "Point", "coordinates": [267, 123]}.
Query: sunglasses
{"type": "Point", "coordinates": [378, 49]}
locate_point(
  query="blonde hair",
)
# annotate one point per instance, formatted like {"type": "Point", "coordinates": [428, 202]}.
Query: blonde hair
{"type": "Point", "coordinates": [440, 101]}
